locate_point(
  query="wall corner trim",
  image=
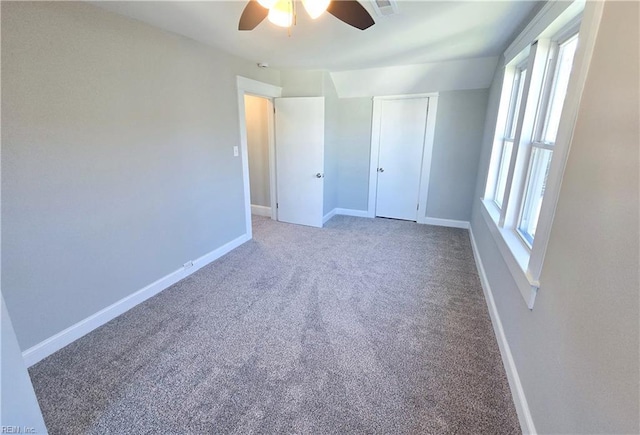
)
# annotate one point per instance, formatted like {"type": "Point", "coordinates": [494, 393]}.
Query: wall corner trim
{"type": "Point", "coordinates": [56, 342]}
{"type": "Point", "coordinates": [517, 391]}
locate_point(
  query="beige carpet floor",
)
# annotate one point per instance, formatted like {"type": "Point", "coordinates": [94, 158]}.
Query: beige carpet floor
{"type": "Point", "coordinates": [364, 326]}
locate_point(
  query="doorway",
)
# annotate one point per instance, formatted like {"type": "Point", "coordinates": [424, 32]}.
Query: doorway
{"type": "Point", "coordinates": [259, 136]}
{"type": "Point", "coordinates": [295, 164]}
{"type": "Point", "coordinates": [402, 136]}
{"type": "Point", "coordinates": [264, 90]}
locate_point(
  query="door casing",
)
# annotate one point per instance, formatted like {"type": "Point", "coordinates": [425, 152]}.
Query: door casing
{"type": "Point", "coordinates": [268, 91]}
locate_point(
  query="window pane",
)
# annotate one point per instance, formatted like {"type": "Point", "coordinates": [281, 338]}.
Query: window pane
{"type": "Point", "coordinates": [559, 91]}
{"type": "Point", "coordinates": [505, 160]}
{"type": "Point", "coordinates": [538, 172]}
{"type": "Point", "coordinates": [515, 107]}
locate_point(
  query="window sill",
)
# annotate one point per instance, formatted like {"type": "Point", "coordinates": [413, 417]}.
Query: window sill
{"type": "Point", "coordinates": [513, 251]}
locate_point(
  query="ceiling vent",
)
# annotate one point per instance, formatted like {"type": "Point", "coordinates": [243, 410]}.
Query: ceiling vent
{"type": "Point", "coordinates": [385, 8]}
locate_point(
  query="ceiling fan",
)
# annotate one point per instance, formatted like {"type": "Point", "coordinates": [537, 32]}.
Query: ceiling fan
{"type": "Point", "coordinates": [282, 12]}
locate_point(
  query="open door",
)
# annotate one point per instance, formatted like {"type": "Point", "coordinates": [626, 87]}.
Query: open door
{"type": "Point", "coordinates": [299, 132]}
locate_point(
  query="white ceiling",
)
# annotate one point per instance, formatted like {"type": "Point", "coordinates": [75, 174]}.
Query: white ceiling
{"type": "Point", "coordinates": [423, 31]}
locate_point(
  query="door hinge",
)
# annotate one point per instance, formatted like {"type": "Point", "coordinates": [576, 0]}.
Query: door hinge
{"type": "Point", "coordinates": [418, 207]}
{"type": "Point", "coordinates": [276, 205]}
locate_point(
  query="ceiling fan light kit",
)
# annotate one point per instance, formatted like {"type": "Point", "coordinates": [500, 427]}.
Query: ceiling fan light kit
{"type": "Point", "coordinates": [267, 3]}
{"type": "Point", "coordinates": [283, 12]}
{"type": "Point", "coordinates": [315, 8]}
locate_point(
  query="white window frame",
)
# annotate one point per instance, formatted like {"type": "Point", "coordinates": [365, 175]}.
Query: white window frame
{"type": "Point", "coordinates": [551, 74]}
{"type": "Point", "coordinates": [553, 23]}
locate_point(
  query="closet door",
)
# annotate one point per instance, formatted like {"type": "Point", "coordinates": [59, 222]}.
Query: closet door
{"type": "Point", "coordinates": [299, 125]}
{"type": "Point", "coordinates": [402, 133]}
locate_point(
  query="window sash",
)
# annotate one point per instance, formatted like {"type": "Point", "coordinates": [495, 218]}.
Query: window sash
{"type": "Point", "coordinates": [507, 146]}
{"type": "Point", "coordinates": [540, 152]}
{"type": "Point", "coordinates": [555, 87]}
{"type": "Point", "coordinates": [563, 67]}
{"type": "Point", "coordinates": [537, 174]}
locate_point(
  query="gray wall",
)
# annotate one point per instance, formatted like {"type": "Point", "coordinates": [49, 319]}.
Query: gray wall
{"type": "Point", "coordinates": [456, 150]}
{"type": "Point", "coordinates": [577, 350]}
{"type": "Point", "coordinates": [19, 404]}
{"type": "Point", "coordinates": [457, 144]}
{"type": "Point", "coordinates": [331, 144]}
{"type": "Point", "coordinates": [354, 144]}
{"type": "Point", "coordinates": [302, 83]}
{"type": "Point", "coordinates": [258, 149]}
{"type": "Point", "coordinates": [117, 159]}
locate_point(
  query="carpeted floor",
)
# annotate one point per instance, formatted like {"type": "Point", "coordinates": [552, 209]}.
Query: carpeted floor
{"type": "Point", "coordinates": [364, 326]}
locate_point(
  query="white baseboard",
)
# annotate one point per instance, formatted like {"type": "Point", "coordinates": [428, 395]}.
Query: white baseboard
{"type": "Point", "coordinates": [351, 212]}
{"type": "Point", "coordinates": [328, 216]}
{"type": "Point", "coordinates": [426, 220]}
{"type": "Point", "coordinates": [517, 392]}
{"type": "Point", "coordinates": [444, 222]}
{"type": "Point", "coordinates": [345, 212]}
{"type": "Point", "coordinates": [74, 332]}
{"type": "Point", "coordinates": [261, 210]}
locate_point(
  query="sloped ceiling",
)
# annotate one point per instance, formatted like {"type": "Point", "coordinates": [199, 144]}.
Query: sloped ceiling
{"type": "Point", "coordinates": [422, 32]}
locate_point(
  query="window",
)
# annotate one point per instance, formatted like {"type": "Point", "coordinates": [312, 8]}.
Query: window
{"type": "Point", "coordinates": [542, 146]}
{"type": "Point", "coordinates": [535, 86]}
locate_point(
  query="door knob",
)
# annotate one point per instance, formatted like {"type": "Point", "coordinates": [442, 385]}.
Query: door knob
{"type": "Point", "coordinates": [380, 169]}
{"type": "Point", "coordinates": [319, 175]}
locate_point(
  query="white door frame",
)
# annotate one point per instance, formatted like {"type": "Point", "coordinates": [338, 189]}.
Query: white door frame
{"type": "Point", "coordinates": [425, 172]}
{"type": "Point", "coordinates": [265, 90]}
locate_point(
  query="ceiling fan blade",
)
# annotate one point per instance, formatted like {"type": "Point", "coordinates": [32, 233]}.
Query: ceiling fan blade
{"type": "Point", "coordinates": [252, 15]}
{"type": "Point", "coordinates": [352, 13]}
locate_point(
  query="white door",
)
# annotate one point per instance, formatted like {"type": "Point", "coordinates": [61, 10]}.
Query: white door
{"type": "Point", "coordinates": [402, 132]}
{"type": "Point", "coordinates": [299, 126]}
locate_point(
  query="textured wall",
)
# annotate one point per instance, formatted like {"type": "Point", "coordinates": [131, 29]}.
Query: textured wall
{"type": "Point", "coordinates": [577, 350]}
{"type": "Point", "coordinates": [258, 149]}
{"type": "Point", "coordinates": [117, 159]}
